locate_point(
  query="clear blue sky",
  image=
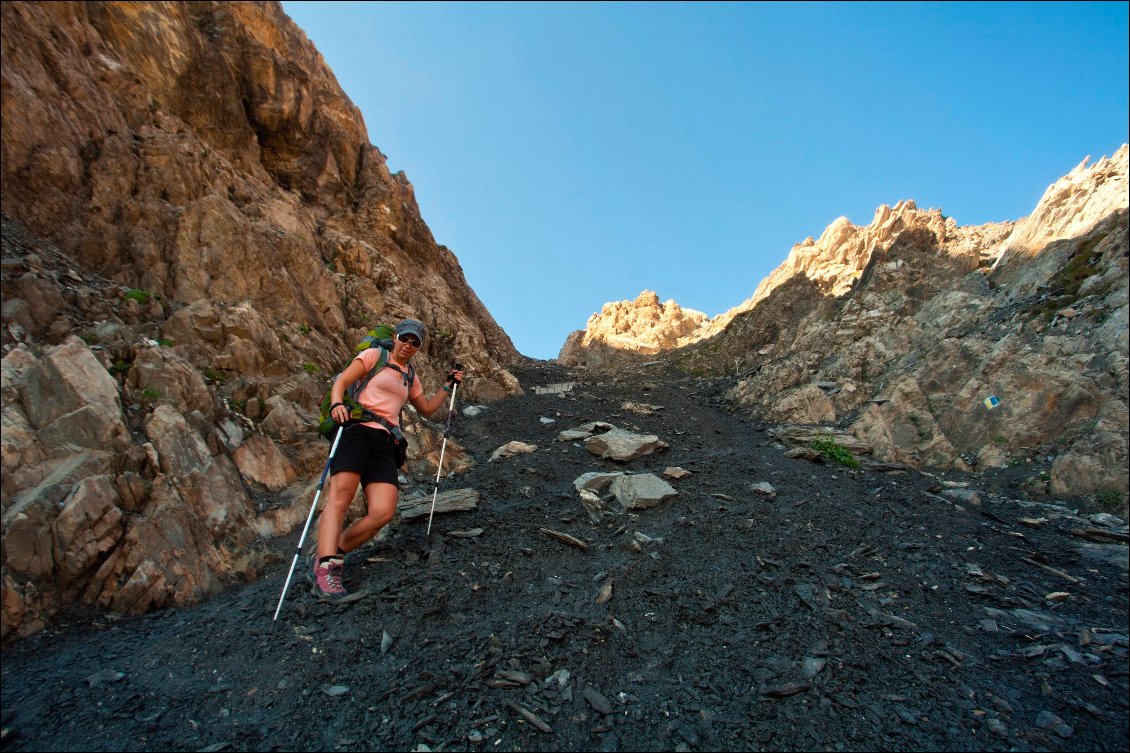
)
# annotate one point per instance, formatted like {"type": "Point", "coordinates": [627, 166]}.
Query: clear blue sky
{"type": "Point", "coordinates": [577, 153]}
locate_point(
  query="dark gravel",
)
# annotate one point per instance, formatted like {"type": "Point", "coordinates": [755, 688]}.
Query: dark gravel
{"type": "Point", "coordinates": [855, 610]}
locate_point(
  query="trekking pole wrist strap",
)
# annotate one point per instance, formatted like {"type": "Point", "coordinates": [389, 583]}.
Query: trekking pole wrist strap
{"type": "Point", "coordinates": [343, 405]}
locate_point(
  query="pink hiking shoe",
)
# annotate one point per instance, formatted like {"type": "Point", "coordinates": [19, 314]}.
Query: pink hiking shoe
{"type": "Point", "coordinates": [326, 580]}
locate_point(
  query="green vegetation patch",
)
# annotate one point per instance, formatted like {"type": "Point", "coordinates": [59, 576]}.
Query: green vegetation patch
{"type": "Point", "coordinates": [141, 296]}
{"type": "Point", "coordinates": [1064, 286]}
{"type": "Point", "coordinates": [1109, 499]}
{"type": "Point", "coordinates": [834, 452]}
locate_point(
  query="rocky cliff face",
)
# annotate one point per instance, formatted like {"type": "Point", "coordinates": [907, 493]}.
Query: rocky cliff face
{"type": "Point", "coordinates": [196, 232]}
{"type": "Point", "coordinates": [899, 331]}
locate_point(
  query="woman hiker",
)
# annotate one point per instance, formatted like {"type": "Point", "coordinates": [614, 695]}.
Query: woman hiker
{"type": "Point", "coordinates": [366, 453]}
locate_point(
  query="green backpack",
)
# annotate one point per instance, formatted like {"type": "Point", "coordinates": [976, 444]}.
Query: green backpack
{"type": "Point", "coordinates": [380, 337]}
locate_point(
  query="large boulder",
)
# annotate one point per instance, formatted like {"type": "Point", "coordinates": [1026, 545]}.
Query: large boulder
{"type": "Point", "coordinates": [623, 445]}
{"type": "Point", "coordinates": [1094, 463]}
{"type": "Point", "coordinates": [641, 491]}
{"type": "Point", "coordinates": [901, 429]}
{"type": "Point", "coordinates": [260, 460]}
{"type": "Point", "coordinates": [71, 399]}
{"type": "Point", "coordinates": [806, 405]}
{"type": "Point", "coordinates": [163, 374]}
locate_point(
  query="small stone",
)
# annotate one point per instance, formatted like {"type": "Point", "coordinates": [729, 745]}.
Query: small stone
{"type": "Point", "coordinates": [605, 592]}
{"type": "Point", "coordinates": [510, 449]}
{"type": "Point", "coordinates": [689, 735]}
{"type": "Point", "coordinates": [812, 666]}
{"type": "Point", "coordinates": [640, 409]}
{"type": "Point", "coordinates": [763, 487]}
{"type": "Point", "coordinates": [104, 678]}
{"type": "Point", "coordinates": [906, 715]}
{"type": "Point", "coordinates": [515, 675]}
{"type": "Point", "coordinates": [597, 700]}
{"type": "Point", "coordinates": [1049, 721]}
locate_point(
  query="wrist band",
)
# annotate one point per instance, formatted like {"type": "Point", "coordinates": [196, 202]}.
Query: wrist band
{"type": "Point", "coordinates": [446, 388]}
{"type": "Point", "coordinates": [343, 405]}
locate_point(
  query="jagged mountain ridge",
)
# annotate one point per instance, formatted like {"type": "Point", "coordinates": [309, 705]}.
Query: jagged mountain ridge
{"type": "Point", "coordinates": [833, 262]}
{"type": "Point", "coordinates": [899, 330]}
{"type": "Point", "coordinates": [196, 232]}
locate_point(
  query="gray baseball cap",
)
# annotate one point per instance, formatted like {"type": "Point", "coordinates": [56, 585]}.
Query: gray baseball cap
{"type": "Point", "coordinates": [413, 327]}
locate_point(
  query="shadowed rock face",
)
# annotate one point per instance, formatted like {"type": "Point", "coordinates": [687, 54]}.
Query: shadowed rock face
{"type": "Point", "coordinates": [902, 329]}
{"type": "Point", "coordinates": [196, 232]}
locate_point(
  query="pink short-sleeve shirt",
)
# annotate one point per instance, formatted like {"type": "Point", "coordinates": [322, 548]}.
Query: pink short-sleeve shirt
{"type": "Point", "coordinates": [386, 393]}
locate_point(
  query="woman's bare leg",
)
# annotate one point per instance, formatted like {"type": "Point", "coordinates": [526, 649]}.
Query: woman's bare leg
{"type": "Point", "coordinates": [381, 501]}
{"type": "Point", "coordinates": [343, 486]}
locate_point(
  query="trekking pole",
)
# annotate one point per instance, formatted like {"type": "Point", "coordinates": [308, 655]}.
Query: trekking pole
{"type": "Point", "coordinates": [442, 450]}
{"type": "Point", "coordinates": [305, 528]}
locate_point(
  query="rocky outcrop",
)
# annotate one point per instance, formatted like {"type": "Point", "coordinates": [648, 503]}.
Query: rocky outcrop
{"type": "Point", "coordinates": [92, 514]}
{"type": "Point", "coordinates": [196, 232]}
{"type": "Point", "coordinates": [1034, 251]}
{"type": "Point", "coordinates": [643, 326]}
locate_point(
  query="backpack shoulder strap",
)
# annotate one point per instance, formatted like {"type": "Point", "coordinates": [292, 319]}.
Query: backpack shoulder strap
{"type": "Point", "coordinates": [382, 361]}
{"type": "Point", "coordinates": [408, 375]}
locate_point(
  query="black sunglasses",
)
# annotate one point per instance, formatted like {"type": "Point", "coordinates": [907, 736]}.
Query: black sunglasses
{"type": "Point", "coordinates": [409, 340]}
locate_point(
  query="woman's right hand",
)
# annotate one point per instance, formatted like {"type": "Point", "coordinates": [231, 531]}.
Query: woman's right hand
{"type": "Point", "coordinates": [339, 413]}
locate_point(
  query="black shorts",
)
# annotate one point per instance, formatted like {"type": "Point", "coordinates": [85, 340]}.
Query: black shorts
{"type": "Point", "coordinates": [367, 451]}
